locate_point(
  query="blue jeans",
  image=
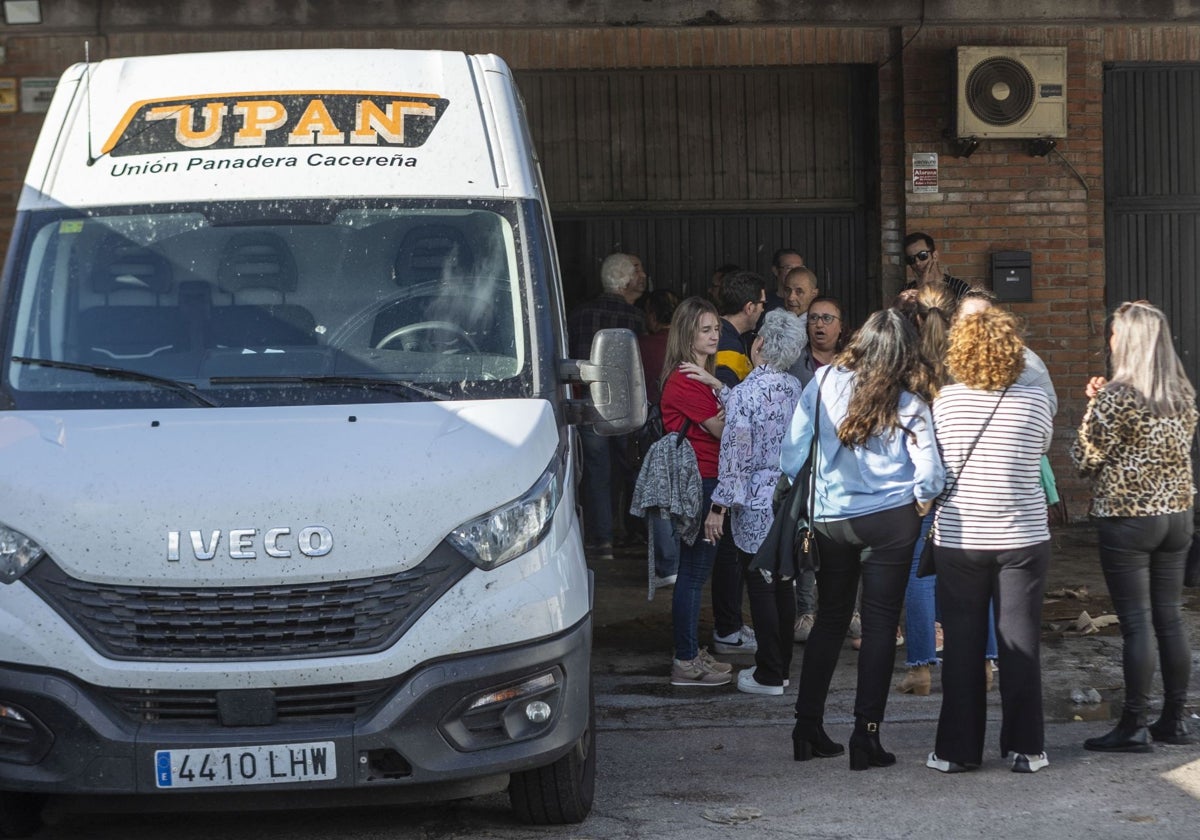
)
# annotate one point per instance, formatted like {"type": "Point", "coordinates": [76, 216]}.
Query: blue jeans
{"type": "Point", "coordinates": [920, 609]}
{"type": "Point", "coordinates": [666, 546]}
{"type": "Point", "coordinates": [596, 487]}
{"type": "Point", "coordinates": [921, 612]}
{"type": "Point", "coordinates": [695, 565]}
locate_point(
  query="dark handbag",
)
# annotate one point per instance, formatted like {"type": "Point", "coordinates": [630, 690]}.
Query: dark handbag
{"type": "Point", "coordinates": [926, 565]}
{"type": "Point", "coordinates": [1191, 571]}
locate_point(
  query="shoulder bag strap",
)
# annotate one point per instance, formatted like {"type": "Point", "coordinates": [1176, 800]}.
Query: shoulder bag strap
{"type": "Point", "coordinates": [813, 451]}
{"type": "Point", "coordinates": [982, 429]}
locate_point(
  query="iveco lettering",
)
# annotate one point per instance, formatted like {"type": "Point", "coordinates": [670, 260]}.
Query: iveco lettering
{"type": "Point", "coordinates": [288, 444]}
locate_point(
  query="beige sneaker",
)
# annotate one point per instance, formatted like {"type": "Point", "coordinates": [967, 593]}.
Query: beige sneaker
{"type": "Point", "coordinates": [695, 672]}
{"type": "Point", "coordinates": [804, 626]}
{"type": "Point", "coordinates": [713, 664]}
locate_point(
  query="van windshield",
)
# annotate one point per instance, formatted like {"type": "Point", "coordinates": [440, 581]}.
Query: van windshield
{"type": "Point", "coordinates": [268, 303]}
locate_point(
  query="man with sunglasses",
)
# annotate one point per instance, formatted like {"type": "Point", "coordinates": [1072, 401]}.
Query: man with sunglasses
{"type": "Point", "coordinates": [921, 256]}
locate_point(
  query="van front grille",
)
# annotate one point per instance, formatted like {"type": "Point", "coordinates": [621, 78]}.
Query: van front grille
{"type": "Point", "coordinates": [347, 702]}
{"type": "Point", "coordinates": [334, 618]}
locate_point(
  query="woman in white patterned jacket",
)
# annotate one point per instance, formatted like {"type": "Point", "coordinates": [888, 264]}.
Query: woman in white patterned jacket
{"type": "Point", "coordinates": [757, 415]}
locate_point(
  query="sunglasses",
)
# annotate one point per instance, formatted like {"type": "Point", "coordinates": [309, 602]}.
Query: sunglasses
{"type": "Point", "coordinates": [920, 256]}
{"type": "Point", "coordinates": [823, 318]}
{"type": "Point", "coordinates": [1129, 304]}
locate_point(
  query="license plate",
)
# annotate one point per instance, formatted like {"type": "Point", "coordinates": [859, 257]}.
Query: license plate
{"type": "Point", "coordinates": [260, 765]}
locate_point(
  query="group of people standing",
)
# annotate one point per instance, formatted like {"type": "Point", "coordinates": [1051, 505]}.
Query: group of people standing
{"type": "Point", "coordinates": [932, 423]}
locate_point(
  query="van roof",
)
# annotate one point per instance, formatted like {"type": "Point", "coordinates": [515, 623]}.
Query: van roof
{"type": "Point", "coordinates": [282, 124]}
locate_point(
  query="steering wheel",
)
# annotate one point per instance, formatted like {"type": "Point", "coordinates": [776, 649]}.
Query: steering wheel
{"type": "Point", "coordinates": [459, 335]}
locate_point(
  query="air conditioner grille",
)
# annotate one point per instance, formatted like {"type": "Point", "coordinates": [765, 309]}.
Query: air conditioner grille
{"type": "Point", "coordinates": [1000, 91]}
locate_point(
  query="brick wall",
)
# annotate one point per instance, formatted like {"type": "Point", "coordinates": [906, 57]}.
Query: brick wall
{"type": "Point", "coordinates": [1000, 198]}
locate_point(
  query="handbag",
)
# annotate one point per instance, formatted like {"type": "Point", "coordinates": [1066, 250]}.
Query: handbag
{"type": "Point", "coordinates": [925, 562]}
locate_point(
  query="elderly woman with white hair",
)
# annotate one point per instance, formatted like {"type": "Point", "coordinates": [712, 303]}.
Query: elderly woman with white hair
{"type": "Point", "coordinates": [757, 415]}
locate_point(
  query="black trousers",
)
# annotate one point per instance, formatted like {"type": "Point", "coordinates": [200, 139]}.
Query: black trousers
{"type": "Point", "coordinates": [1015, 580]}
{"type": "Point", "coordinates": [728, 586]}
{"type": "Point", "coordinates": [1143, 560]}
{"type": "Point", "coordinates": [878, 549]}
{"type": "Point", "coordinates": [773, 611]}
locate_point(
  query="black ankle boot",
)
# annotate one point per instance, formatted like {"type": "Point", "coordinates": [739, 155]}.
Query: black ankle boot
{"type": "Point", "coordinates": [1172, 727]}
{"type": "Point", "coordinates": [1129, 735]}
{"type": "Point", "coordinates": [809, 741]}
{"type": "Point", "coordinates": [865, 749]}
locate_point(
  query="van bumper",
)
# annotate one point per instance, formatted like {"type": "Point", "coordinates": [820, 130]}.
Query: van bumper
{"type": "Point", "coordinates": [447, 722]}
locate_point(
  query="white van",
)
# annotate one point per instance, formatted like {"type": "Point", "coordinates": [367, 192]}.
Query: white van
{"type": "Point", "coordinates": [287, 484]}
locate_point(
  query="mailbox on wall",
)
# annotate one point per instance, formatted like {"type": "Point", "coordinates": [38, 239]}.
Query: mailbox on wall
{"type": "Point", "coordinates": [1012, 275]}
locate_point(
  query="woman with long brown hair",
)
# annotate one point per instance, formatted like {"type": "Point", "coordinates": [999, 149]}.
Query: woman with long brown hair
{"type": "Point", "coordinates": [876, 471]}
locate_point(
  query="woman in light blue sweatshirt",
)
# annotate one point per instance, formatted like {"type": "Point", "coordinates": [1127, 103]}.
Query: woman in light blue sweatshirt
{"type": "Point", "coordinates": [877, 471]}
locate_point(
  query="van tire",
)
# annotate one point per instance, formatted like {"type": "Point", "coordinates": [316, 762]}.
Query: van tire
{"type": "Point", "coordinates": [562, 792]}
{"type": "Point", "coordinates": [20, 813]}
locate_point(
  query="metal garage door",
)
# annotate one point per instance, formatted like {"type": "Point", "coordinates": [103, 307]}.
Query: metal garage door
{"type": "Point", "coordinates": [1152, 194]}
{"type": "Point", "coordinates": [692, 169]}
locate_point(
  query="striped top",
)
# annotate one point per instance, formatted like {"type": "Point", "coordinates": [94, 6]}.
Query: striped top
{"type": "Point", "coordinates": [996, 502]}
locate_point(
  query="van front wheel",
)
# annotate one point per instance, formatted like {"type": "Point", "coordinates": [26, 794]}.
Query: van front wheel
{"type": "Point", "coordinates": [20, 813]}
{"type": "Point", "coordinates": [561, 792]}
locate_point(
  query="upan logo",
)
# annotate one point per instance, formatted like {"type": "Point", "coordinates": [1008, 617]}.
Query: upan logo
{"type": "Point", "coordinates": [313, 541]}
{"type": "Point", "coordinates": [257, 120]}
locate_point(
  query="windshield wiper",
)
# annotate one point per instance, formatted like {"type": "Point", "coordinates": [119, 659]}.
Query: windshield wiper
{"type": "Point", "coordinates": [185, 388]}
{"type": "Point", "coordinates": [408, 389]}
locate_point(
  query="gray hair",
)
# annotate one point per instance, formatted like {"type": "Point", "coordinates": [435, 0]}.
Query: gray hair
{"type": "Point", "coordinates": [616, 272]}
{"type": "Point", "coordinates": [783, 336]}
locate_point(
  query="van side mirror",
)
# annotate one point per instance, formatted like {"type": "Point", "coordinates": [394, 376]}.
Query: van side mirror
{"type": "Point", "coordinates": [616, 402]}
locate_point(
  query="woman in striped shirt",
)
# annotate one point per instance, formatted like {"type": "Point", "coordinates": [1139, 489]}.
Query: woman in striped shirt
{"type": "Point", "coordinates": [992, 542]}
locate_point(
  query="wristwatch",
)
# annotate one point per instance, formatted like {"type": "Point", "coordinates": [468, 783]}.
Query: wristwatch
{"type": "Point", "coordinates": [719, 510]}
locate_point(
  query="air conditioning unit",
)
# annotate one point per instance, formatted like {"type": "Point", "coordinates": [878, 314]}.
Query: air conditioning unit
{"type": "Point", "coordinates": [1012, 92]}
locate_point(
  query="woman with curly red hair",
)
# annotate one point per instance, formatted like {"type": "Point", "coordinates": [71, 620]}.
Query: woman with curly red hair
{"type": "Point", "coordinates": [991, 542]}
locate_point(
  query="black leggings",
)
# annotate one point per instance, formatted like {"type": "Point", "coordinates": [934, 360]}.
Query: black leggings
{"type": "Point", "coordinates": [878, 547]}
{"type": "Point", "coordinates": [1143, 561]}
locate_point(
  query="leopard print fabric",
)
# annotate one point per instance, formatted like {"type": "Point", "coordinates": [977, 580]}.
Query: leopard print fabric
{"type": "Point", "coordinates": [1141, 465]}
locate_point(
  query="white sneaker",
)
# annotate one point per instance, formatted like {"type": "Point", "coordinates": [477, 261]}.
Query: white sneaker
{"type": "Point", "coordinates": [742, 641]}
{"type": "Point", "coordinates": [663, 582]}
{"type": "Point", "coordinates": [748, 684]}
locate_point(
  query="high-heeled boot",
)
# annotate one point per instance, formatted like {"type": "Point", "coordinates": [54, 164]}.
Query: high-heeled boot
{"type": "Point", "coordinates": [1171, 727]}
{"type": "Point", "coordinates": [865, 749]}
{"type": "Point", "coordinates": [1129, 735]}
{"type": "Point", "coordinates": [810, 741]}
{"type": "Point", "coordinates": [917, 681]}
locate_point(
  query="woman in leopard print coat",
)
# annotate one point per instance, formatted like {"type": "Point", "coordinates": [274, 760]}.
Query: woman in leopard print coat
{"type": "Point", "coordinates": [1135, 443]}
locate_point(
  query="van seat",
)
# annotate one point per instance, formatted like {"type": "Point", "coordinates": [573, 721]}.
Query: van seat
{"type": "Point", "coordinates": [131, 324]}
{"type": "Point", "coordinates": [258, 271]}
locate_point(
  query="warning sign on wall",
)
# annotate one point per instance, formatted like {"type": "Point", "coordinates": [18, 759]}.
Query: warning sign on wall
{"type": "Point", "coordinates": [925, 172]}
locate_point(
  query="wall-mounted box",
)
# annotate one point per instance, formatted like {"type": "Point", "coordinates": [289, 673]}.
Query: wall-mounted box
{"type": "Point", "coordinates": [1012, 275]}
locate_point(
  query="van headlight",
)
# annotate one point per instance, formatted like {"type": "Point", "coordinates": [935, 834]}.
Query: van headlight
{"type": "Point", "coordinates": [18, 553]}
{"type": "Point", "coordinates": [495, 538]}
